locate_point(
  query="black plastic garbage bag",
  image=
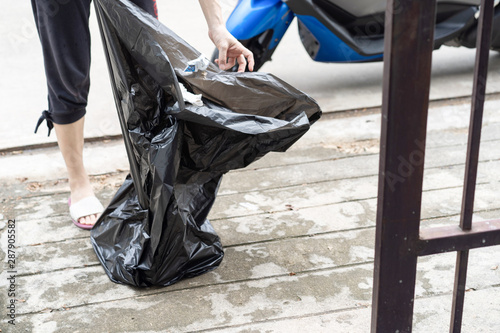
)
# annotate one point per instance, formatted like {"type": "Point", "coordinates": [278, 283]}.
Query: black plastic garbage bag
{"type": "Point", "coordinates": [155, 230]}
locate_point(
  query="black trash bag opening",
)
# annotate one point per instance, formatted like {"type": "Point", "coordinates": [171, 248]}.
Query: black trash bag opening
{"type": "Point", "coordinates": [155, 230]}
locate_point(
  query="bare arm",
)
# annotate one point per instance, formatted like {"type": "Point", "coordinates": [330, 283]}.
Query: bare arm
{"type": "Point", "coordinates": [230, 49]}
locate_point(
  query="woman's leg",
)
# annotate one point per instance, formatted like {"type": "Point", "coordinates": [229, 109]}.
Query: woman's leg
{"type": "Point", "coordinates": [70, 140]}
{"type": "Point", "coordinates": [65, 37]}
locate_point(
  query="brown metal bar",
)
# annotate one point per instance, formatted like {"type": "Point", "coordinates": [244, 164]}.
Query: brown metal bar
{"type": "Point", "coordinates": [407, 68]}
{"type": "Point", "coordinates": [459, 291]}
{"type": "Point", "coordinates": [478, 97]}
{"type": "Point", "coordinates": [453, 238]}
{"type": "Point", "coordinates": [472, 160]}
{"type": "Point", "coordinates": [407, 59]}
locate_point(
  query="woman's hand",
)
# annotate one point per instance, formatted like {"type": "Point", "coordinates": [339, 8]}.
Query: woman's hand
{"type": "Point", "coordinates": [230, 49]}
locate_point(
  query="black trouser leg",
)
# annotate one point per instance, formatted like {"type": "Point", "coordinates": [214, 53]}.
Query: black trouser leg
{"type": "Point", "coordinates": [63, 28]}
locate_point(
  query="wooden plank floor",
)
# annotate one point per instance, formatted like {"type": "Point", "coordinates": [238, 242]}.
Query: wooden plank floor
{"type": "Point", "coordinates": [298, 232]}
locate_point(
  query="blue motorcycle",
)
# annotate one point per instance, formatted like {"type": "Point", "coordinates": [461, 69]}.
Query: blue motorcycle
{"type": "Point", "coordinates": [344, 30]}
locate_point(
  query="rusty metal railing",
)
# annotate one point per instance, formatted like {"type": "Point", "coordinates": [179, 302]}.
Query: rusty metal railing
{"type": "Point", "coordinates": [399, 240]}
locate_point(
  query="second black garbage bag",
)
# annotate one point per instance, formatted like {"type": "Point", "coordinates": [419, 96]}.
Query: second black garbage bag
{"type": "Point", "coordinates": [155, 230]}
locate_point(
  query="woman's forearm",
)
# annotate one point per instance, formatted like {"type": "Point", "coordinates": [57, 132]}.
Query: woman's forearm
{"type": "Point", "coordinates": [212, 12]}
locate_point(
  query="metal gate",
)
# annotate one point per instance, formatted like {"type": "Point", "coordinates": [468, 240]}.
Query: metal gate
{"type": "Point", "coordinates": [399, 240]}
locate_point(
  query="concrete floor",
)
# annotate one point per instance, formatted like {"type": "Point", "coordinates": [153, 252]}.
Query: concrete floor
{"type": "Point", "coordinates": [298, 233]}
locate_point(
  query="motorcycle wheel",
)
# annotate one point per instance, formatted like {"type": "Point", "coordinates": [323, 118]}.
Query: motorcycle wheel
{"type": "Point", "coordinates": [259, 47]}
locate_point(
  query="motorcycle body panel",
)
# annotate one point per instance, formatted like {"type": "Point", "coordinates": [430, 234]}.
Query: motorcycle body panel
{"type": "Point", "coordinates": [252, 18]}
{"type": "Point", "coordinates": [343, 30]}
{"type": "Point", "coordinates": [324, 46]}
{"type": "Point", "coordinates": [469, 39]}
{"type": "Point", "coordinates": [361, 8]}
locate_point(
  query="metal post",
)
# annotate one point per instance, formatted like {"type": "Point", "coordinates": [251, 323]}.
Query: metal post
{"type": "Point", "coordinates": [472, 161]}
{"type": "Point", "coordinates": [409, 36]}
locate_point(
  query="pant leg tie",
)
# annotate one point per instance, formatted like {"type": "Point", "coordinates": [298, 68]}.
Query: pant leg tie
{"type": "Point", "coordinates": [45, 116]}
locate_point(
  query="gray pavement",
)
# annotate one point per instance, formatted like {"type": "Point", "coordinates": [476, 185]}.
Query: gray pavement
{"type": "Point", "coordinates": [336, 87]}
{"type": "Point", "coordinates": [297, 227]}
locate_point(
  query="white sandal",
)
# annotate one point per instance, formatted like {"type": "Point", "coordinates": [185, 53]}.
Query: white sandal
{"type": "Point", "coordinates": [85, 207]}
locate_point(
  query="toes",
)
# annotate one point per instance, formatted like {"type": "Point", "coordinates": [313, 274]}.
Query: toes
{"type": "Point", "coordinates": [90, 219]}
{"type": "Point", "coordinates": [83, 220]}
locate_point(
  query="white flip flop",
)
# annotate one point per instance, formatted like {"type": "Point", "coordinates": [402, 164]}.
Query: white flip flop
{"type": "Point", "coordinates": [85, 207]}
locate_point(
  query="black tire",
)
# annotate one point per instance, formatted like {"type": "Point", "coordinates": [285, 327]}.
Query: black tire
{"type": "Point", "coordinates": [259, 47]}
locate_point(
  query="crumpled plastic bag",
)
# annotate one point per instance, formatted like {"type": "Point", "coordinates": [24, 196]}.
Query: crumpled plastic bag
{"type": "Point", "coordinates": [155, 230]}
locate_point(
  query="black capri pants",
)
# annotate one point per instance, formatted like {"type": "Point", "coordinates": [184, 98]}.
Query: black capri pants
{"type": "Point", "coordinates": [63, 28]}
